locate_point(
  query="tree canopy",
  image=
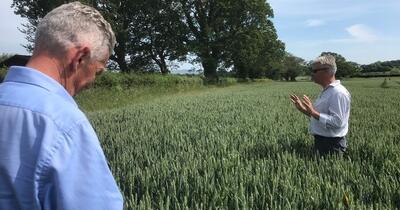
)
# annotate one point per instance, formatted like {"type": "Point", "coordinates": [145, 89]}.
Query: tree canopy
{"type": "Point", "coordinates": [253, 43]}
{"type": "Point", "coordinates": [222, 33]}
{"type": "Point", "coordinates": [291, 67]}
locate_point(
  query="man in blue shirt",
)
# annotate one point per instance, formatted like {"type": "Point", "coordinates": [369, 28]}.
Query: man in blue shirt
{"type": "Point", "coordinates": [50, 156]}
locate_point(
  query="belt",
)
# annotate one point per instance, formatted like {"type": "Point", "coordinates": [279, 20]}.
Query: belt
{"type": "Point", "coordinates": [318, 137]}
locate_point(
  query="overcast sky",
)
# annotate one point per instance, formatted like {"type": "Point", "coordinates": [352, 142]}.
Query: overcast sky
{"type": "Point", "coordinates": [363, 31]}
{"type": "Point", "coordinates": [11, 38]}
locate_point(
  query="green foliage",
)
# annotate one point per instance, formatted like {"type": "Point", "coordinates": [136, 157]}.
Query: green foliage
{"type": "Point", "coordinates": [157, 38]}
{"type": "Point", "coordinates": [395, 70]}
{"type": "Point", "coordinates": [3, 72]}
{"type": "Point", "coordinates": [125, 89]}
{"type": "Point", "coordinates": [205, 21]}
{"type": "Point", "coordinates": [291, 67]}
{"type": "Point", "coordinates": [151, 33]}
{"type": "Point", "coordinates": [384, 84]}
{"type": "Point", "coordinates": [4, 56]}
{"type": "Point", "coordinates": [134, 80]}
{"type": "Point", "coordinates": [165, 37]}
{"type": "Point", "coordinates": [252, 44]}
{"type": "Point", "coordinates": [220, 81]}
{"type": "Point", "coordinates": [344, 68]}
{"type": "Point", "coordinates": [385, 66]}
{"type": "Point", "coordinates": [226, 33]}
{"type": "Point", "coordinates": [120, 15]}
{"type": "Point", "coordinates": [247, 147]}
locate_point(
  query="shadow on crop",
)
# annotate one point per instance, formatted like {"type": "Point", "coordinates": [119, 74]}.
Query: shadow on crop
{"type": "Point", "coordinates": [297, 147]}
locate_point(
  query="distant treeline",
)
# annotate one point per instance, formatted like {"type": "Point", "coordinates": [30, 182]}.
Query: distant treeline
{"type": "Point", "coordinates": [379, 66]}
{"type": "Point", "coordinates": [379, 69]}
{"type": "Point", "coordinates": [352, 69]}
{"type": "Point", "coordinates": [377, 74]}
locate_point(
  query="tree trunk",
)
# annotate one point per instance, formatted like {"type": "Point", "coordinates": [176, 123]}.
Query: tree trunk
{"type": "Point", "coordinates": [241, 71]}
{"type": "Point", "coordinates": [159, 59]}
{"type": "Point", "coordinates": [285, 76]}
{"type": "Point", "coordinates": [120, 52]}
{"type": "Point", "coordinates": [122, 65]}
{"type": "Point", "coordinates": [210, 65]}
{"type": "Point", "coordinates": [119, 57]}
{"type": "Point", "coordinates": [163, 66]}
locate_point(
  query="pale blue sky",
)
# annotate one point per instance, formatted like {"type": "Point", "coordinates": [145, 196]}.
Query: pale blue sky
{"type": "Point", "coordinates": [363, 31]}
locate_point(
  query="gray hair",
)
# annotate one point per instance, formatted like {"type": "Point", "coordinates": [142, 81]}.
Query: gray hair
{"type": "Point", "coordinates": [72, 24]}
{"type": "Point", "coordinates": [328, 60]}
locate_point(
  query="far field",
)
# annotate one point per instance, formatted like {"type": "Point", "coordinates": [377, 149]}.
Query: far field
{"type": "Point", "coordinates": [246, 147]}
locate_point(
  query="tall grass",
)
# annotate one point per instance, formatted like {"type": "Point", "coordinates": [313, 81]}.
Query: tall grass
{"type": "Point", "coordinates": [111, 89]}
{"type": "Point", "coordinates": [134, 80]}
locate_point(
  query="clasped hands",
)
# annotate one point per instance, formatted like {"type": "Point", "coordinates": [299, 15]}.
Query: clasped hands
{"type": "Point", "coordinates": [305, 106]}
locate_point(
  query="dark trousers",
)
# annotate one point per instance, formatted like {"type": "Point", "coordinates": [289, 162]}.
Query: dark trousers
{"type": "Point", "coordinates": [330, 145]}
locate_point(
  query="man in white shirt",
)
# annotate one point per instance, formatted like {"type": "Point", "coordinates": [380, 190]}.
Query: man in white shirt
{"type": "Point", "coordinates": [330, 113]}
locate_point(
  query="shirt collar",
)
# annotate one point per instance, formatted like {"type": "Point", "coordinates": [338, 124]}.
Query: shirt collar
{"type": "Point", "coordinates": [333, 84]}
{"type": "Point", "coordinates": [32, 76]}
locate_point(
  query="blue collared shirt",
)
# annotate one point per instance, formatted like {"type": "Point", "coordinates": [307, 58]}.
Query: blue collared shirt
{"type": "Point", "coordinates": [50, 156]}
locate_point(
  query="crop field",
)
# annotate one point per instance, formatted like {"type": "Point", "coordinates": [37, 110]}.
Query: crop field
{"type": "Point", "coordinates": [247, 147]}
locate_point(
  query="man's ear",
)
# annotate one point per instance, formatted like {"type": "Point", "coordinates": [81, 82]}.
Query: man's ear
{"type": "Point", "coordinates": [80, 56]}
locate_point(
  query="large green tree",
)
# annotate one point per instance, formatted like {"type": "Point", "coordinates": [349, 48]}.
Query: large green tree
{"type": "Point", "coordinates": [291, 67]}
{"type": "Point", "coordinates": [253, 43]}
{"type": "Point", "coordinates": [164, 34]}
{"type": "Point", "coordinates": [206, 21]}
{"type": "Point", "coordinates": [226, 33]}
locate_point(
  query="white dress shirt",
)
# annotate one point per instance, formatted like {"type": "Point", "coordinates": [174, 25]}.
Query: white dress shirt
{"type": "Point", "coordinates": [333, 104]}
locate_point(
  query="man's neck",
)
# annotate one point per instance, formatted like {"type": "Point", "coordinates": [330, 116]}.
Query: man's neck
{"type": "Point", "coordinates": [327, 82]}
{"type": "Point", "coordinates": [51, 67]}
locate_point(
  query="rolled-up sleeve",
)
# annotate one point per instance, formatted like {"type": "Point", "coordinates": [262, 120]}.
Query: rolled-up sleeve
{"type": "Point", "coordinates": [338, 112]}
{"type": "Point", "coordinates": [77, 174]}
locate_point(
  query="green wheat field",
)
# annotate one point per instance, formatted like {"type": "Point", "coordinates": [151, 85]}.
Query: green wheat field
{"type": "Point", "coordinates": [246, 147]}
